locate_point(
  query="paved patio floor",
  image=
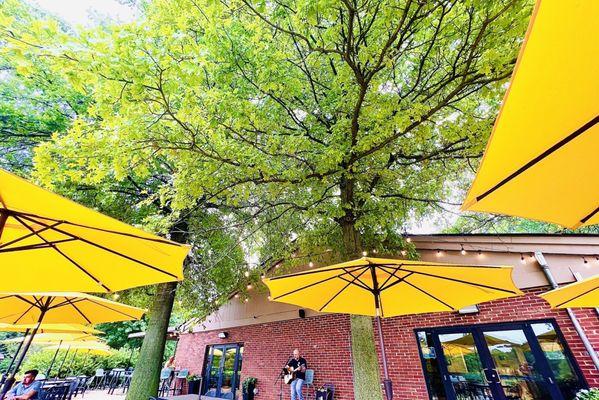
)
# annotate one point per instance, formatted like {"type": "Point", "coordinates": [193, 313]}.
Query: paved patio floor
{"type": "Point", "coordinates": [102, 395]}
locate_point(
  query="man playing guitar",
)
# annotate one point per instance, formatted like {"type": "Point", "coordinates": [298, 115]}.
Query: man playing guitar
{"type": "Point", "coordinates": [297, 366]}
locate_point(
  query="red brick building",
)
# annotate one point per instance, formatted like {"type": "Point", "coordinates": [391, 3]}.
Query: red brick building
{"type": "Point", "coordinates": [536, 352]}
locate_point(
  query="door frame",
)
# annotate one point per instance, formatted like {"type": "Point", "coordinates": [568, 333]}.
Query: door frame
{"type": "Point", "coordinates": [208, 366]}
{"type": "Point", "coordinates": [476, 329]}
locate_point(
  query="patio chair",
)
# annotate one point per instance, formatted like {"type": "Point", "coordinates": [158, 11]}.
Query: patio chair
{"type": "Point", "coordinates": [127, 380]}
{"type": "Point", "coordinates": [97, 379]}
{"type": "Point", "coordinates": [116, 379]}
{"type": "Point", "coordinates": [165, 381]}
{"type": "Point", "coordinates": [58, 392]}
{"type": "Point", "coordinates": [309, 384]}
{"type": "Point", "coordinates": [179, 381]}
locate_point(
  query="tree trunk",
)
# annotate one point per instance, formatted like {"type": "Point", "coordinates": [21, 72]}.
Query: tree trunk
{"type": "Point", "coordinates": [365, 360]}
{"type": "Point", "coordinates": [146, 377]}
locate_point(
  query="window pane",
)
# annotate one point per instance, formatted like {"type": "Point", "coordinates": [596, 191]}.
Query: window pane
{"type": "Point", "coordinates": [516, 365]}
{"type": "Point", "coordinates": [464, 366]}
{"type": "Point", "coordinates": [565, 377]}
{"type": "Point", "coordinates": [434, 380]}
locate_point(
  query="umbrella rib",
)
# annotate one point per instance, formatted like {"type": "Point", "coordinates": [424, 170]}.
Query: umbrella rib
{"type": "Point", "coordinates": [462, 281]}
{"type": "Point", "coordinates": [429, 294]}
{"type": "Point", "coordinates": [357, 277]}
{"type": "Point", "coordinates": [576, 297]}
{"type": "Point", "coordinates": [78, 310]}
{"type": "Point", "coordinates": [541, 156]}
{"type": "Point", "coordinates": [342, 289]}
{"type": "Point", "coordinates": [32, 233]}
{"type": "Point", "coordinates": [314, 283]}
{"type": "Point", "coordinates": [107, 249]}
{"type": "Point", "coordinates": [110, 308]}
{"type": "Point", "coordinates": [37, 246]}
{"type": "Point", "coordinates": [398, 281]}
{"type": "Point", "coordinates": [391, 274]}
{"type": "Point", "coordinates": [64, 255]}
{"type": "Point", "coordinates": [585, 219]}
{"type": "Point", "coordinates": [355, 268]}
{"type": "Point", "coordinates": [158, 240]}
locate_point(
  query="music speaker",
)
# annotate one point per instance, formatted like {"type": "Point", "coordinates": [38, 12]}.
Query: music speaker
{"type": "Point", "coordinates": [302, 313]}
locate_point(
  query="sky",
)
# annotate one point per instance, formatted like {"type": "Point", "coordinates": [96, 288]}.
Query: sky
{"type": "Point", "coordinates": [83, 12]}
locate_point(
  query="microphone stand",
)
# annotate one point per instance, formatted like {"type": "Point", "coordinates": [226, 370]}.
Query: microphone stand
{"type": "Point", "coordinates": [280, 378]}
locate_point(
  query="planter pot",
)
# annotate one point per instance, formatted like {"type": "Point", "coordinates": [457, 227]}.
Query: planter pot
{"type": "Point", "coordinates": [193, 387]}
{"type": "Point", "coordinates": [249, 395]}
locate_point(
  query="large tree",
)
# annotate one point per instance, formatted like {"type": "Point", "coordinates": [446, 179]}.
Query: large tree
{"type": "Point", "coordinates": [317, 125]}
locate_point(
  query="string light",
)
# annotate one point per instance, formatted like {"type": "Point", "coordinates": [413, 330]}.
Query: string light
{"type": "Point", "coordinates": [364, 253]}
{"type": "Point", "coordinates": [246, 300]}
{"type": "Point", "coordinates": [247, 274]}
{"type": "Point", "coordinates": [262, 276]}
{"type": "Point", "coordinates": [375, 251]}
{"type": "Point", "coordinates": [236, 295]}
{"type": "Point", "coordinates": [463, 251]}
{"type": "Point", "coordinates": [311, 264]}
{"type": "Point", "coordinates": [522, 260]}
{"type": "Point", "coordinates": [439, 253]}
{"type": "Point", "coordinates": [480, 253]}
{"type": "Point", "coordinates": [116, 296]}
{"type": "Point", "coordinates": [409, 239]}
{"type": "Point", "coordinates": [584, 260]}
{"type": "Point", "coordinates": [403, 252]}
{"type": "Point", "coordinates": [597, 259]}
{"type": "Point", "coordinates": [269, 298]}
{"type": "Point", "coordinates": [249, 286]}
{"type": "Point", "coordinates": [532, 257]}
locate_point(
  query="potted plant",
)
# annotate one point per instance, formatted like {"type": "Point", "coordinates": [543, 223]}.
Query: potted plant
{"type": "Point", "coordinates": [592, 394]}
{"type": "Point", "coordinates": [193, 384]}
{"type": "Point", "coordinates": [249, 388]}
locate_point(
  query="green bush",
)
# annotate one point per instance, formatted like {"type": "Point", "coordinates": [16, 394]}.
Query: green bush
{"type": "Point", "coordinates": [592, 394]}
{"type": "Point", "coordinates": [81, 364]}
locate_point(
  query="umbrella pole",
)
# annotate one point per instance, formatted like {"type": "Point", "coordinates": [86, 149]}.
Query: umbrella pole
{"type": "Point", "coordinates": [63, 360]}
{"type": "Point", "coordinates": [14, 358]}
{"type": "Point", "coordinates": [386, 382]}
{"type": "Point", "coordinates": [11, 379]}
{"type": "Point", "coordinates": [53, 359]}
{"type": "Point", "coordinates": [70, 369]}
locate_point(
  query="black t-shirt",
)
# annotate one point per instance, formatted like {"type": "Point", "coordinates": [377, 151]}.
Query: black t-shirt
{"type": "Point", "coordinates": [296, 363]}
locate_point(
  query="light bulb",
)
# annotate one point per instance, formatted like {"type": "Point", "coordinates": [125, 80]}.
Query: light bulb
{"type": "Point", "coordinates": [480, 253]}
{"type": "Point", "coordinates": [463, 251]}
{"type": "Point", "coordinates": [269, 298]}
{"type": "Point", "coordinates": [403, 252]}
{"type": "Point", "coordinates": [262, 276]}
{"type": "Point", "coordinates": [116, 296]}
{"type": "Point", "coordinates": [364, 253]}
{"type": "Point", "coordinates": [439, 253]}
{"type": "Point", "coordinates": [409, 240]}
{"type": "Point", "coordinates": [522, 260]}
{"type": "Point", "coordinates": [585, 260]}
{"type": "Point", "coordinates": [247, 274]}
{"type": "Point", "coordinates": [246, 300]}
{"type": "Point", "coordinates": [236, 295]}
{"type": "Point", "coordinates": [249, 287]}
{"type": "Point", "coordinates": [310, 264]}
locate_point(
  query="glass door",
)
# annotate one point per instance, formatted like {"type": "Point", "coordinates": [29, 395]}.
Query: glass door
{"type": "Point", "coordinates": [222, 368]}
{"type": "Point", "coordinates": [517, 361]}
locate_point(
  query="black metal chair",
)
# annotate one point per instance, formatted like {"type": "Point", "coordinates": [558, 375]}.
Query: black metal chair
{"type": "Point", "coordinates": [127, 380]}
{"type": "Point", "coordinates": [58, 392]}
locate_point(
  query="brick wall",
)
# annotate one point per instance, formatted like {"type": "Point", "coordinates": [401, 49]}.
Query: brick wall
{"type": "Point", "coordinates": [402, 349]}
{"type": "Point", "coordinates": [325, 342]}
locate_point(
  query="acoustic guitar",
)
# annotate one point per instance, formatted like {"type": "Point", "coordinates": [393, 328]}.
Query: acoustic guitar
{"type": "Point", "coordinates": [290, 376]}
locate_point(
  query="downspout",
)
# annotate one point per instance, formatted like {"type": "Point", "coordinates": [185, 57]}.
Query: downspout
{"type": "Point", "coordinates": [585, 340]}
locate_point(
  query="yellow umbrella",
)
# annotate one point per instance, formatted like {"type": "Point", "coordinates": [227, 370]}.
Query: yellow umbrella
{"type": "Point", "coordinates": [386, 287]}
{"type": "Point", "coordinates": [580, 294]}
{"type": "Point", "coordinates": [541, 161]}
{"type": "Point", "coordinates": [50, 307]}
{"type": "Point", "coordinates": [51, 328]}
{"type": "Point", "coordinates": [67, 246]}
{"type": "Point", "coordinates": [97, 348]}
{"type": "Point", "coordinates": [54, 337]}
